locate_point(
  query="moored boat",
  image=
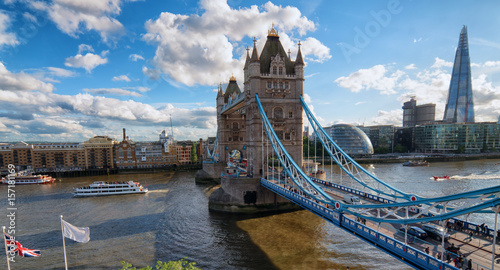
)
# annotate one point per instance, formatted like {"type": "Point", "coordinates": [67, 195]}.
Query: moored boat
{"type": "Point", "coordinates": [27, 179]}
{"type": "Point", "coordinates": [101, 188]}
{"type": "Point", "coordinates": [416, 163]}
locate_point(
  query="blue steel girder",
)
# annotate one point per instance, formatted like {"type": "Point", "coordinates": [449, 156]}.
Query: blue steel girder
{"type": "Point", "coordinates": [292, 170]}
{"type": "Point", "coordinates": [214, 155]}
{"type": "Point", "coordinates": [430, 209]}
{"type": "Point", "coordinates": [427, 209]}
{"type": "Point", "coordinates": [351, 167]}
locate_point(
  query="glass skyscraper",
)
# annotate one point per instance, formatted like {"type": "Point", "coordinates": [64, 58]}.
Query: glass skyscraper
{"type": "Point", "coordinates": [459, 106]}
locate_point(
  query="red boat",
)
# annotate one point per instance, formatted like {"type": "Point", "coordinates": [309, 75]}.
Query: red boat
{"type": "Point", "coordinates": [445, 177]}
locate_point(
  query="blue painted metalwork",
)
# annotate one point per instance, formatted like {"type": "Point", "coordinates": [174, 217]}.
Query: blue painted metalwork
{"type": "Point", "coordinates": [348, 165]}
{"type": "Point", "coordinates": [399, 250]}
{"type": "Point", "coordinates": [214, 155]}
{"type": "Point", "coordinates": [292, 170]}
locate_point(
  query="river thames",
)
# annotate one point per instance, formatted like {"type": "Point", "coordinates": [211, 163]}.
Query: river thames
{"type": "Point", "coordinates": [172, 221]}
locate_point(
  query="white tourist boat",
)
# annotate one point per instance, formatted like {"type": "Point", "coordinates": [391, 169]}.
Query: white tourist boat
{"type": "Point", "coordinates": [27, 179]}
{"type": "Point", "coordinates": [101, 188]}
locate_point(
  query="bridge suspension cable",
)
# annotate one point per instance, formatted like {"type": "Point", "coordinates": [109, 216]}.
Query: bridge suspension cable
{"type": "Point", "coordinates": [214, 154]}
{"type": "Point", "coordinates": [351, 167]}
{"type": "Point", "coordinates": [292, 170]}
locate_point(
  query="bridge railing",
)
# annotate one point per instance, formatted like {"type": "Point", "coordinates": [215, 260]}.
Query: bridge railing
{"type": "Point", "coordinates": [457, 224]}
{"type": "Point", "coordinates": [392, 246]}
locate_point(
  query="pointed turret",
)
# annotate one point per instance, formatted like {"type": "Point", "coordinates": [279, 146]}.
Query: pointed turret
{"type": "Point", "coordinates": [231, 89]}
{"type": "Point", "coordinates": [255, 55]}
{"type": "Point", "coordinates": [247, 60]}
{"type": "Point", "coordinates": [273, 48]}
{"type": "Point", "coordinates": [219, 92]}
{"type": "Point", "coordinates": [299, 60]}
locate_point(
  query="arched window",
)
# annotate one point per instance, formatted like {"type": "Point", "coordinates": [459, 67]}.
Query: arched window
{"type": "Point", "coordinates": [274, 70]}
{"type": "Point", "coordinates": [280, 71]}
{"type": "Point", "coordinates": [235, 125]}
{"type": "Point", "coordinates": [278, 113]}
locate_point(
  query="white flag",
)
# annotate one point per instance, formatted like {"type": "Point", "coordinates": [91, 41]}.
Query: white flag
{"type": "Point", "coordinates": [79, 234]}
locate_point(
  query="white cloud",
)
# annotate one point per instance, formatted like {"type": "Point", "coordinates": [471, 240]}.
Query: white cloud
{"type": "Point", "coordinates": [429, 85]}
{"type": "Point", "coordinates": [393, 117]}
{"type": "Point", "coordinates": [112, 91]}
{"type": "Point", "coordinates": [60, 72]}
{"type": "Point", "coordinates": [134, 57]}
{"type": "Point", "coordinates": [74, 16]}
{"type": "Point", "coordinates": [121, 78]}
{"type": "Point", "coordinates": [200, 49]}
{"type": "Point", "coordinates": [21, 81]}
{"type": "Point", "coordinates": [438, 63]}
{"type": "Point", "coordinates": [88, 61]}
{"type": "Point", "coordinates": [6, 38]}
{"type": "Point", "coordinates": [492, 64]}
{"type": "Point", "coordinates": [84, 48]}
{"type": "Point", "coordinates": [374, 77]}
{"type": "Point", "coordinates": [411, 66]}
{"type": "Point", "coordinates": [96, 111]}
{"type": "Point", "coordinates": [417, 40]}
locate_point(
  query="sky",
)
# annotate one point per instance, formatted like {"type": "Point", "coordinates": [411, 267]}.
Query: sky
{"type": "Point", "coordinates": [74, 69]}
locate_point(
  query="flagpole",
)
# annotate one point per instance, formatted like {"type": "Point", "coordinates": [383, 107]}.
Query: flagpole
{"type": "Point", "coordinates": [6, 252]}
{"type": "Point", "coordinates": [64, 245]}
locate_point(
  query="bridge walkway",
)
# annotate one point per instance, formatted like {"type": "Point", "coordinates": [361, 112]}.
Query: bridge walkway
{"type": "Point", "coordinates": [477, 248]}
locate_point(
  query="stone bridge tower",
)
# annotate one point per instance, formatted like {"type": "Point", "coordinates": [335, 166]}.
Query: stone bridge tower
{"type": "Point", "coordinates": [279, 82]}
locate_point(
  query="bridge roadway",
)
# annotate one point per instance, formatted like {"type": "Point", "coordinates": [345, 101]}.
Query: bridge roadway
{"type": "Point", "coordinates": [478, 247]}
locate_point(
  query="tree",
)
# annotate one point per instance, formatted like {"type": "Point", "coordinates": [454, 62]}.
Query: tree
{"type": "Point", "coordinates": [194, 156]}
{"type": "Point", "coordinates": [181, 264]}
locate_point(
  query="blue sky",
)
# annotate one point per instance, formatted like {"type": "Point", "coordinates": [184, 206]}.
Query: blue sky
{"type": "Point", "coordinates": [73, 69]}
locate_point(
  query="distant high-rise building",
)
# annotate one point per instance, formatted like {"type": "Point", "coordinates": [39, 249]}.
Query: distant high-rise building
{"type": "Point", "coordinates": [459, 106]}
{"type": "Point", "coordinates": [414, 115]}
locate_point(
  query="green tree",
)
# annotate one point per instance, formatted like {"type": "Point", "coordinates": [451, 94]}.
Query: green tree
{"type": "Point", "coordinates": [194, 156]}
{"type": "Point", "coordinates": [400, 149]}
{"type": "Point", "coordinates": [181, 264]}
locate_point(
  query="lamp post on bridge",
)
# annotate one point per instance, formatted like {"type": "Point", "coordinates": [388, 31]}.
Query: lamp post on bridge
{"type": "Point", "coordinates": [496, 209]}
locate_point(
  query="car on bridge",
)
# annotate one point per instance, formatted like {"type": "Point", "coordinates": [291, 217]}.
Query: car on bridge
{"type": "Point", "coordinates": [435, 232]}
{"type": "Point", "coordinates": [415, 231]}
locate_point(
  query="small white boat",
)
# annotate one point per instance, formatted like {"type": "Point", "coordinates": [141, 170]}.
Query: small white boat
{"type": "Point", "coordinates": [101, 188]}
{"type": "Point", "coordinates": [27, 179]}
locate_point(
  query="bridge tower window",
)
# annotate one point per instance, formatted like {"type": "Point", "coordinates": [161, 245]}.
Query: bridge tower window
{"type": "Point", "coordinates": [278, 113]}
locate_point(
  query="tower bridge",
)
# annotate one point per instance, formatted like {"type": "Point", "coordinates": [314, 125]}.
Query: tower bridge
{"type": "Point", "coordinates": [260, 129]}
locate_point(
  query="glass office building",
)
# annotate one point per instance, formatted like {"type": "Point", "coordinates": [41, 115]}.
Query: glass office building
{"type": "Point", "coordinates": [460, 106]}
{"type": "Point", "coordinates": [351, 139]}
{"type": "Point", "coordinates": [457, 138]}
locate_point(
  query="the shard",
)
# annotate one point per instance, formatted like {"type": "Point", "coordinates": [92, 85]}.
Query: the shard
{"type": "Point", "coordinates": [460, 105]}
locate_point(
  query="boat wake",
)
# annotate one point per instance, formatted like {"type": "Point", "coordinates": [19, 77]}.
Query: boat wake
{"type": "Point", "coordinates": [486, 175]}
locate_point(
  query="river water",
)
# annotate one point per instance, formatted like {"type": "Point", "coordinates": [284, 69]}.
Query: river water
{"type": "Point", "coordinates": [172, 221]}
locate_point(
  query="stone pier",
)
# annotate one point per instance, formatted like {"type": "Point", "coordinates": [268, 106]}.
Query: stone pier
{"type": "Point", "coordinates": [246, 195]}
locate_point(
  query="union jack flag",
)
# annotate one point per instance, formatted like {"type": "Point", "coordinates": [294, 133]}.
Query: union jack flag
{"type": "Point", "coordinates": [13, 245]}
